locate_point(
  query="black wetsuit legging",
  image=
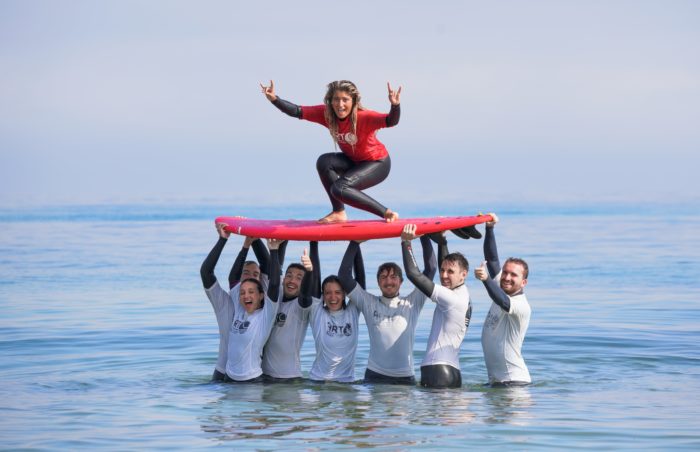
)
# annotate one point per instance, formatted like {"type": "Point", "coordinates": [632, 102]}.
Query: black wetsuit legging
{"type": "Point", "coordinates": [440, 376]}
{"type": "Point", "coordinates": [344, 178]}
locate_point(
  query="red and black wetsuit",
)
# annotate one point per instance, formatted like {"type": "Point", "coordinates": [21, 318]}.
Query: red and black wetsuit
{"type": "Point", "coordinates": [364, 161]}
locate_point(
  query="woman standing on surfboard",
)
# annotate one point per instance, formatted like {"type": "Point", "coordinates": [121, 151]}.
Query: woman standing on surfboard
{"type": "Point", "coordinates": [364, 161]}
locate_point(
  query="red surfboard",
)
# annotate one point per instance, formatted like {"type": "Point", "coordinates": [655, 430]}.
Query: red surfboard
{"type": "Point", "coordinates": [349, 230]}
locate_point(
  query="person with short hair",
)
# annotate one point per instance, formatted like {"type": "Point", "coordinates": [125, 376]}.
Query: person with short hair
{"type": "Point", "coordinates": [281, 355]}
{"type": "Point", "coordinates": [391, 318]}
{"type": "Point", "coordinates": [440, 366]}
{"type": "Point", "coordinates": [243, 269]}
{"type": "Point", "coordinates": [508, 318]}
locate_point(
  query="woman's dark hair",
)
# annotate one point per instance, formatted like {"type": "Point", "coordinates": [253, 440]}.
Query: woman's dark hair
{"type": "Point", "coordinates": [332, 279]}
{"type": "Point", "coordinates": [259, 285]}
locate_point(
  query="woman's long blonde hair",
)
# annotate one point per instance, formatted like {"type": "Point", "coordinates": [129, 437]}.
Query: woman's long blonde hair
{"type": "Point", "coordinates": [331, 119]}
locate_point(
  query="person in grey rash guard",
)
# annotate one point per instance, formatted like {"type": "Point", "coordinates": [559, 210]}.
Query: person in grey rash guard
{"type": "Point", "coordinates": [391, 318]}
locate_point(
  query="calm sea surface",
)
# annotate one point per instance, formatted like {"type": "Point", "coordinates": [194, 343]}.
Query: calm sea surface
{"type": "Point", "coordinates": [107, 340]}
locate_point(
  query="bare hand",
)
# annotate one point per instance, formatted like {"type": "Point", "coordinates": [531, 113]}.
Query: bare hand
{"type": "Point", "coordinates": [394, 96]}
{"type": "Point", "coordinates": [223, 233]}
{"type": "Point", "coordinates": [274, 244]}
{"type": "Point", "coordinates": [306, 261]}
{"type": "Point", "coordinates": [492, 223]}
{"type": "Point", "coordinates": [409, 232]}
{"type": "Point", "coordinates": [269, 91]}
{"type": "Point", "coordinates": [248, 241]}
{"type": "Point", "coordinates": [481, 273]}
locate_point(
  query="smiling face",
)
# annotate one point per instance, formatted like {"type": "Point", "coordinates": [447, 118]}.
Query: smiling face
{"type": "Point", "coordinates": [333, 296]}
{"type": "Point", "coordinates": [512, 280]}
{"type": "Point", "coordinates": [342, 104]}
{"type": "Point", "coordinates": [389, 283]}
{"type": "Point", "coordinates": [292, 282]}
{"type": "Point", "coordinates": [250, 296]}
{"type": "Point", "coordinates": [452, 274]}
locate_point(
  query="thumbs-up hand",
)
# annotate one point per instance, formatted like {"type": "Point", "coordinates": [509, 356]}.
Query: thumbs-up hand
{"type": "Point", "coordinates": [481, 273]}
{"type": "Point", "coordinates": [306, 261]}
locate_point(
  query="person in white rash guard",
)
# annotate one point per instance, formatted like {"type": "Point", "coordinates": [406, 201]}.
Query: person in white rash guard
{"type": "Point", "coordinates": [243, 269]}
{"type": "Point", "coordinates": [508, 318]}
{"type": "Point", "coordinates": [281, 355]}
{"type": "Point", "coordinates": [240, 270]}
{"type": "Point", "coordinates": [440, 367]}
{"type": "Point", "coordinates": [334, 324]}
{"type": "Point", "coordinates": [391, 318]}
{"type": "Point", "coordinates": [250, 320]}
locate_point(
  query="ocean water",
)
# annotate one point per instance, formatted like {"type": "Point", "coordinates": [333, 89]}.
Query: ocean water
{"type": "Point", "coordinates": [107, 340]}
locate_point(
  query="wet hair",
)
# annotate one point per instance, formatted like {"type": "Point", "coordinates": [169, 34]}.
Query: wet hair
{"type": "Point", "coordinates": [517, 260]}
{"type": "Point", "coordinates": [296, 265]}
{"type": "Point", "coordinates": [332, 279]}
{"type": "Point", "coordinates": [331, 119]}
{"type": "Point", "coordinates": [259, 285]}
{"type": "Point", "coordinates": [390, 267]}
{"type": "Point", "coordinates": [459, 259]}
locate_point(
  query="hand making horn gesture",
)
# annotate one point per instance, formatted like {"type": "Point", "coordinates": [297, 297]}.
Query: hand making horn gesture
{"type": "Point", "coordinates": [394, 96]}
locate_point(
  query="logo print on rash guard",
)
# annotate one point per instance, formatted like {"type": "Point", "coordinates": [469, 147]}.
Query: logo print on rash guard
{"type": "Point", "coordinates": [281, 319]}
{"type": "Point", "coordinates": [338, 330]}
{"type": "Point", "coordinates": [349, 138]}
{"type": "Point", "coordinates": [491, 321]}
{"type": "Point", "coordinates": [240, 327]}
{"type": "Point", "coordinates": [468, 315]}
{"type": "Point", "coordinates": [380, 318]}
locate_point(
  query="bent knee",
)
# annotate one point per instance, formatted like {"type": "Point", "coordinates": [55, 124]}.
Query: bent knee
{"type": "Point", "coordinates": [324, 161]}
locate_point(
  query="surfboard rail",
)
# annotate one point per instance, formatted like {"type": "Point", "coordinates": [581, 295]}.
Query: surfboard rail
{"type": "Point", "coordinates": [307, 230]}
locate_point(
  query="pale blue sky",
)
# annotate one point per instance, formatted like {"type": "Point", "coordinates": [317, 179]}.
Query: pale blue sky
{"type": "Point", "coordinates": [131, 101]}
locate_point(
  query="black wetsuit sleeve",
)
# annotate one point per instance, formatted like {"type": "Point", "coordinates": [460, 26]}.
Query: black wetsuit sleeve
{"type": "Point", "coordinates": [346, 267]}
{"type": "Point", "coordinates": [497, 294]}
{"type": "Point", "coordinates": [429, 260]}
{"type": "Point", "coordinates": [491, 252]}
{"type": "Point", "coordinates": [273, 288]}
{"type": "Point", "coordinates": [359, 268]}
{"type": "Point", "coordinates": [281, 251]}
{"type": "Point", "coordinates": [207, 269]}
{"type": "Point", "coordinates": [305, 294]}
{"type": "Point", "coordinates": [414, 275]}
{"type": "Point", "coordinates": [394, 115]}
{"type": "Point", "coordinates": [287, 107]}
{"type": "Point", "coordinates": [442, 252]}
{"type": "Point", "coordinates": [316, 273]}
{"type": "Point", "coordinates": [263, 256]}
{"type": "Point", "coordinates": [234, 276]}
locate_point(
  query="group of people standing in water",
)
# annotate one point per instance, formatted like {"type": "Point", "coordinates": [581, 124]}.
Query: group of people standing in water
{"type": "Point", "coordinates": [262, 328]}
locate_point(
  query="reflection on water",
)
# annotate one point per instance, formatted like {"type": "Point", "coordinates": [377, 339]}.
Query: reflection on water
{"type": "Point", "coordinates": [361, 415]}
{"type": "Point", "coordinates": [508, 405]}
